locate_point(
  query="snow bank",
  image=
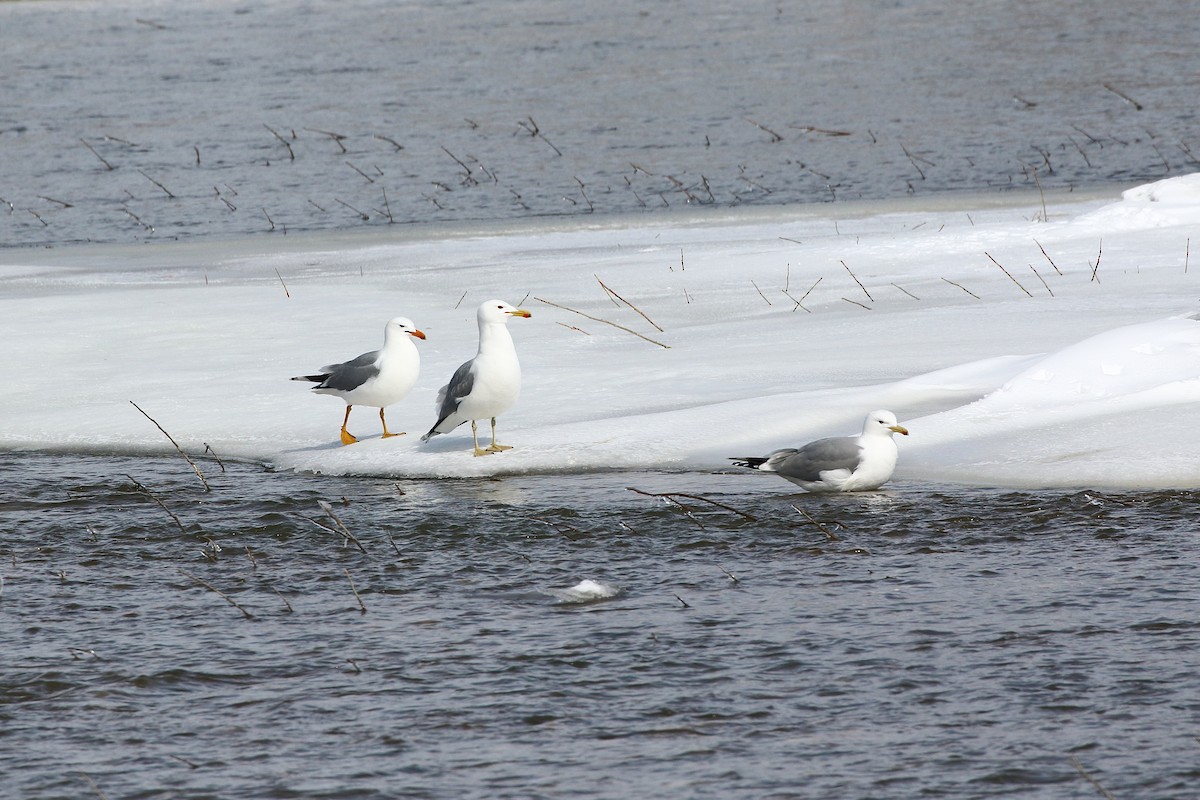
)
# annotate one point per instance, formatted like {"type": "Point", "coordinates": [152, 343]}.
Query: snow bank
{"type": "Point", "coordinates": [1020, 347]}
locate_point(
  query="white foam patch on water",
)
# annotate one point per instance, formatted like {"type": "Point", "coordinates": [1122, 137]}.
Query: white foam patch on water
{"type": "Point", "coordinates": [586, 591]}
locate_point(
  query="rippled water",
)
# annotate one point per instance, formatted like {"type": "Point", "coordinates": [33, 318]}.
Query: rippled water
{"type": "Point", "coordinates": [925, 641]}
{"type": "Point", "coordinates": [140, 120]}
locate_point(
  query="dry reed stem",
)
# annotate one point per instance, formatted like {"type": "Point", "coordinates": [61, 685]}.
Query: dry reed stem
{"type": "Point", "coordinates": [156, 183]}
{"type": "Point", "coordinates": [1096, 266]}
{"type": "Point", "coordinates": [1047, 255]}
{"type": "Point", "coordinates": [760, 294]}
{"type": "Point", "coordinates": [606, 322]}
{"type": "Point", "coordinates": [1043, 280]}
{"type": "Point", "coordinates": [1079, 768]}
{"type": "Point", "coordinates": [212, 588]}
{"type": "Point", "coordinates": [670, 496]}
{"type": "Point", "coordinates": [1123, 96]}
{"type": "Point", "coordinates": [910, 294]}
{"type": "Point", "coordinates": [965, 289]}
{"type": "Point", "coordinates": [732, 577]}
{"type": "Point", "coordinates": [1006, 272]}
{"type": "Point", "coordinates": [341, 526]}
{"type": "Point", "coordinates": [830, 535]}
{"type": "Point", "coordinates": [99, 792]}
{"type": "Point", "coordinates": [626, 302]}
{"type": "Point", "coordinates": [775, 137]}
{"type": "Point", "coordinates": [361, 606]}
{"type": "Point", "coordinates": [186, 457]}
{"type": "Point", "coordinates": [109, 166]}
{"type": "Point", "coordinates": [856, 303]}
{"type": "Point", "coordinates": [856, 280]}
{"type": "Point", "coordinates": [275, 133]}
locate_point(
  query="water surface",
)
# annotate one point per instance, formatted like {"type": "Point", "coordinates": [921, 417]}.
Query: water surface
{"type": "Point", "coordinates": [920, 641]}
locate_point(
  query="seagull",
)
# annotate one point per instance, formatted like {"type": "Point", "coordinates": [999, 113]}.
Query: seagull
{"type": "Point", "coordinates": [839, 463]}
{"type": "Point", "coordinates": [488, 384]}
{"type": "Point", "coordinates": [378, 378]}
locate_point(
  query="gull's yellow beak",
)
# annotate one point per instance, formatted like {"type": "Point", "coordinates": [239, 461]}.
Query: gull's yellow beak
{"type": "Point", "coordinates": [898, 429]}
{"type": "Point", "coordinates": [520, 312]}
{"type": "Point", "coordinates": [417, 334]}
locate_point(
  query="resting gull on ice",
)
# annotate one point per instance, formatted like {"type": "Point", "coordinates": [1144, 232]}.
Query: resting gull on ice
{"type": "Point", "coordinates": [839, 463]}
{"type": "Point", "coordinates": [488, 384]}
{"type": "Point", "coordinates": [378, 378]}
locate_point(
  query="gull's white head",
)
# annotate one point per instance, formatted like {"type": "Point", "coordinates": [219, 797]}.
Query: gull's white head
{"type": "Point", "coordinates": [882, 423]}
{"type": "Point", "coordinates": [499, 311]}
{"type": "Point", "coordinates": [398, 325]}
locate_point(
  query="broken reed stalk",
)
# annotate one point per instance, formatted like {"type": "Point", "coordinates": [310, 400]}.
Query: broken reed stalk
{"type": "Point", "coordinates": [731, 576]}
{"type": "Point", "coordinates": [361, 606]}
{"type": "Point", "coordinates": [103, 161]}
{"type": "Point", "coordinates": [341, 526]}
{"type": "Point", "coordinates": [965, 289]}
{"type": "Point", "coordinates": [1096, 266]}
{"type": "Point", "coordinates": [1043, 280]}
{"type": "Point", "coordinates": [275, 133]}
{"type": "Point", "coordinates": [800, 303]}
{"type": "Point", "coordinates": [760, 293]}
{"type": "Point", "coordinates": [1123, 96]}
{"type": "Point", "coordinates": [156, 183]}
{"type": "Point", "coordinates": [775, 137]}
{"type": "Point", "coordinates": [907, 292]}
{"type": "Point", "coordinates": [1187, 254]}
{"type": "Point", "coordinates": [626, 302]}
{"type": "Point", "coordinates": [99, 792]}
{"type": "Point", "coordinates": [156, 499]}
{"type": "Point", "coordinates": [199, 474]}
{"type": "Point", "coordinates": [1006, 272]}
{"type": "Point", "coordinates": [215, 456]}
{"type": "Point", "coordinates": [337, 137]}
{"type": "Point", "coordinates": [212, 588]}
{"type": "Point", "coordinates": [1047, 255]}
{"type": "Point", "coordinates": [672, 495]}
{"type": "Point", "coordinates": [281, 283]}
{"type": "Point", "coordinates": [830, 535]}
{"type": "Point", "coordinates": [1079, 768]}
{"type": "Point", "coordinates": [682, 602]}
{"type": "Point", "coordinates": [856, 280]}
{"type": "Point", "coordinates": [606, 322]}
{"type": "Point", "coordinates": [856, 303]}
{"type": "Point", "coordinates": [1045, 214]}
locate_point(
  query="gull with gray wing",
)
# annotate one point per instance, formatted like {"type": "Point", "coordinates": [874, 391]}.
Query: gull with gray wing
{"type": "Point", "coordinates": [378, 378]}
{"type": "Point", "coordinates": [488, 384]}
{"type": "Point", "coordinates": [839, 463]}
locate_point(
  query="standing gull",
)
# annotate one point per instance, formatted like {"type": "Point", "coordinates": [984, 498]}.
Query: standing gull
{"type": "Point", "coordinates": [378, 378]}
{"type": "Point", "coordinates": [839, 463]}
{"type": "Point", "coordinates": [488, 384]}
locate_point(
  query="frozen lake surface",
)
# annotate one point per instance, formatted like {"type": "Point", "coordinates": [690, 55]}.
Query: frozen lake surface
{"type": "Point", "coordinates": [148, 121]}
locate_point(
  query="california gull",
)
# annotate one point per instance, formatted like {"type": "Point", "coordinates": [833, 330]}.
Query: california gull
{"type": "Point", "coordinates": [488, 384]}
{"type": "Point", "coordinates": [839, 463]}
{"type": "Point", "coordinates": [379, 378]}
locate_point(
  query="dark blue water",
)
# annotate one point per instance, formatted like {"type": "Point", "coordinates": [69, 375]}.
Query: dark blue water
{"type": "Point", "coordinates": [919, 642]}
{"type": "Point", "coordinates": [145, 121]}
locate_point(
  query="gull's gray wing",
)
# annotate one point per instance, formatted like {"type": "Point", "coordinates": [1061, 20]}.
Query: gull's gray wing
{"type": "Point", "coordinates": [350, 375]}
{"type": "Point", "coordinates": [807, 463]}
{"type": "Point", "coordinates": [460, 386]}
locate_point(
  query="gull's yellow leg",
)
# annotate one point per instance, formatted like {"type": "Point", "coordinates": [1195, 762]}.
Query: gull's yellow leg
{"type": "Point", "coordinates": [386, 434]}
{"type": "Point", "coordinates": [475, 436]}
{"type": "Point", "coordinates": [347, 437]}
{"type": "Point", "coordinates": [496, 448]}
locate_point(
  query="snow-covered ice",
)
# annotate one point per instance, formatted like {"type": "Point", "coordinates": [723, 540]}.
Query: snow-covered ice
{"type": "Point", "coordinates": [1072, 359]}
